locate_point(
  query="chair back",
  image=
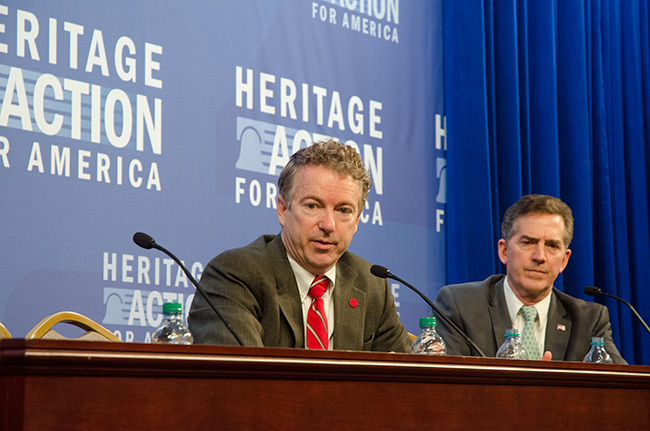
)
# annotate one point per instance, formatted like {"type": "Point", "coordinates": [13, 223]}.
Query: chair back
{"type": "Point", "coordinates": [4, 332]}
{"type": "Point", "coordinates": [94, 331]}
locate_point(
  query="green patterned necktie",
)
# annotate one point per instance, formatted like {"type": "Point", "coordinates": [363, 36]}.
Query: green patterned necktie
{"type": "Point", "coordinates": [528, 334]}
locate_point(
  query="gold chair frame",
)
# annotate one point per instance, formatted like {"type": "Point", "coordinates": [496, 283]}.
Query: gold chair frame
{"type": "Point", "coordinates": [4, 332]}
{"type": "Point", "coordinates": [95, 331]}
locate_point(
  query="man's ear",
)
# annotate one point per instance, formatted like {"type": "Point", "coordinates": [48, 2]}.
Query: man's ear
{"type": "Point", "coordinates": [502, 248]}
{"type": "Point", "coordinates": [565, 261]}
{"type": "Point", "coordinates": [281, 209]}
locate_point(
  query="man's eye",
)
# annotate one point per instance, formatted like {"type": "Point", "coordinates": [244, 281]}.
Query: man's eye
{"type": "Point", "coordinates": [527, 243]}
{"type": "Point", "coordinates": [311, 206]}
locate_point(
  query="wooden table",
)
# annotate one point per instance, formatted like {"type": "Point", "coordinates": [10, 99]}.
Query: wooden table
{"type": "Point", "coordinates": [76, 385]}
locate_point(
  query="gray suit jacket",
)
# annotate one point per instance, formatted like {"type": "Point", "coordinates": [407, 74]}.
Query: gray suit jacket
{"type": "Point", "coordinates": [480, 309]}
{"type": "Point", "coordinates": [255, 290]}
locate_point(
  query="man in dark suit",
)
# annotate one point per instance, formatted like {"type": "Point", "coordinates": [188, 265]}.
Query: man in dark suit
{"type": "Point", "coordinates": [264, 290]}
{"type": "Point", "coordinates": [535, 235]}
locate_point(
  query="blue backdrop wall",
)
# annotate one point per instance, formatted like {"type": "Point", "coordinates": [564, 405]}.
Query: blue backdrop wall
{"type": "Point", "coordinates": [176, 118]}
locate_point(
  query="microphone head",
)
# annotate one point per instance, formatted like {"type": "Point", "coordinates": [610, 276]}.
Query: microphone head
{"type": "Point", "coordinates": [143, 240]}
{"type": "Point", "coordinates": [593, 291]}
{"type": "Point", "coordinates": [380, 271]}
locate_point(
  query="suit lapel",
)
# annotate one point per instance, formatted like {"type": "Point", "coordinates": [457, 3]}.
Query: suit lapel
{"type": "Point", "coordinates": [499, 314]}
{"type": "Point", "coordinates": [558, 328]}
{"type": "Point", "coordinates": [349, 309]}
{"type": "Point", "coordinates": [288, 294]}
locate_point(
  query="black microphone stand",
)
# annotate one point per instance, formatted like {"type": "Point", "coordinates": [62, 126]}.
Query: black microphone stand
{"type": "Point", "coordinates": [595, 291]}
{"type": "Point", "coordinates": [147, 242]}
{"type": "Point", "coordinates": [380, 271]}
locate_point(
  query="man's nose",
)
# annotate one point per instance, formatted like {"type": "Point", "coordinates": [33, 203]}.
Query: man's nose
{"type": "Point", "coordinates": [539, 252]}
{"type": "Point", "coordinates": [327, 222]}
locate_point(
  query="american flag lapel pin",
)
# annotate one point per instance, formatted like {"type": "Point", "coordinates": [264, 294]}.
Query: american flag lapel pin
{"type": "Point", "coordinates": [561, 327]}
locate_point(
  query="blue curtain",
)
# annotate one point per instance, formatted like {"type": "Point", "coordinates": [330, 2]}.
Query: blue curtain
{"type": "Point", "coordinates": [553, 97]}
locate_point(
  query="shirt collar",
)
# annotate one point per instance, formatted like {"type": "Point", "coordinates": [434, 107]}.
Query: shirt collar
{"type": "Point", "coordinates": [514, 304]}
{"type": "Point", "coordinates": [304, 278]}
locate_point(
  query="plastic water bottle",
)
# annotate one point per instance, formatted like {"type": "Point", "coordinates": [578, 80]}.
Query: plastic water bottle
{"type": "Point", "coordinates": [597, 354]}
{"type": "Point", "coordinates": [512, 347]}
{"type": "Point", "coordinates": [428, 342]}
{"type": "Point", "coordinates": [173, 330]}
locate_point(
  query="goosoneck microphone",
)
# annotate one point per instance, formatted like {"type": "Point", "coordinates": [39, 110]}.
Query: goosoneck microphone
{"type": "Point", "coordinates": [147, 242]}
{"type": "Point", "coordinates": [595, 291]}
{"type": "Point", "coordinates": [382, 272]}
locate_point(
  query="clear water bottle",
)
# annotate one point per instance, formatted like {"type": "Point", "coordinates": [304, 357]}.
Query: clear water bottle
{"type": "Point", "coordinates": [428, 342]}
{"type": "Point", "coordinates": [512, 347]}
{"type": "Point", "coordinates": [173, 330]}
{"type": "Point", "coordinates": [598, 354]}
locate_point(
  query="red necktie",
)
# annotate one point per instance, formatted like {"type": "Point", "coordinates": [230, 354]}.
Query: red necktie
{"type": "Point", "coordinates": [317, 336]}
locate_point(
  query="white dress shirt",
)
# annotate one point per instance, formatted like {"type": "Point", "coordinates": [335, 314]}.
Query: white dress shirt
{"type": "Point", "coordinates": [304, 279]}
{"type": "Point", "coordinates": [518, 321]}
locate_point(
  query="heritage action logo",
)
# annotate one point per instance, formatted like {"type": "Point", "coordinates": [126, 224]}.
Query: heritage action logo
{"type": "Point", "coordinates": [373, 18]}
{"type": "Point", "coordinates": [81, 113]}
{"type": "Point", "coordinates": [265, 147]}
{"type": "Point", "coordinates": [136, 286]}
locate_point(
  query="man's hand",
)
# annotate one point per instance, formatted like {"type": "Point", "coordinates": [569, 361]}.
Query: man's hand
{"type": "Point", "coordinates": [547, 356]}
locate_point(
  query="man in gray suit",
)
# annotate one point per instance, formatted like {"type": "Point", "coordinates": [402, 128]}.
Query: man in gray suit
{"type": "Point", "coordinates": [263, 290]}
{"type": "Point", "coordinates": [535, 235]}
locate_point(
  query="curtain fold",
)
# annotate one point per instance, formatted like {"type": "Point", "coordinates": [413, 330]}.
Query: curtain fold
{"type": "Point", "coordinates": [553, 97]}
{"type": "Point", "coordinates": [469, 85]}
